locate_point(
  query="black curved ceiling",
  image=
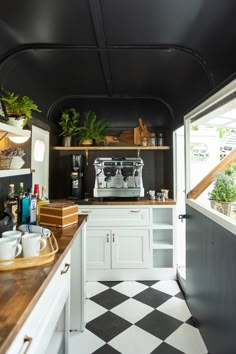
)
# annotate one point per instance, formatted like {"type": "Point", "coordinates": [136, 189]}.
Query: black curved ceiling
{"type": "Point", "coordinates": [173, 51]}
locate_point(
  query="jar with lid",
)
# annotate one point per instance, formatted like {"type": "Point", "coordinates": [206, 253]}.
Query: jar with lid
{"type": "Point", "coordinates": [144, 141]}
{"type": "Point", "coordinates": [153, 139]}
{"type": "Point", "coordinates": [160, 139]}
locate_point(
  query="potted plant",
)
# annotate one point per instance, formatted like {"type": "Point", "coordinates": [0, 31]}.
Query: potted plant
{"type": "Point", "coordinates": [18, 109]}
{"type": "Point", "coordinates": [93, 130]}
{"type": "Point", "coordinates": [223, 194]}
{"type": "Point", "coordinates": [70, 124]}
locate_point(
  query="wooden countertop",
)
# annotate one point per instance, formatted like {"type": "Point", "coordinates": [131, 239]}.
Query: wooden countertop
{"type": "Point", "coordinates": [20, 289]}
{"type": "Point", "coordinates": [142, 201]}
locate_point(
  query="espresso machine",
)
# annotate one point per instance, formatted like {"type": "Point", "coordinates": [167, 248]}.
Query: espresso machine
{"type": "Point", "coordinates": [76, 177]}
{"type": "Point", "coordinates": [118, 177]}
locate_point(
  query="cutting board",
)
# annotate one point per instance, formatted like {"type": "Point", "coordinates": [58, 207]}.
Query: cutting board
{"type": "Point", "coordinates": [127, 136]}
{"type": "Point", "coordinates": [141, 131]}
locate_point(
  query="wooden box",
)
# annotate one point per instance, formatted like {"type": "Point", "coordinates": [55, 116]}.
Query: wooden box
{"type": "Point", "coordinates": [58, 214]}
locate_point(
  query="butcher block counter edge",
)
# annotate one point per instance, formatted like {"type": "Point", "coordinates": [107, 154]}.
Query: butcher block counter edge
{"type": "Point", "coordinates": [65, 238]}
{"type": "Point", "coordinates": [141, 201]}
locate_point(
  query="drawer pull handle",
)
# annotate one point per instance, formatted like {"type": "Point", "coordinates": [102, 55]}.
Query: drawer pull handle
{"type": "Point", "coordinates": [108, 238]}
{"type": "Point", "coordinates": [86, 211]}
{"type": "Point", "coordinates": [113, 237]}
{"type": "Point", "coordinates": [27, 342]}
{"type": "Point", "coordinates": [135, 211]}
{"type": "Point", "coordinates": [65, 270]}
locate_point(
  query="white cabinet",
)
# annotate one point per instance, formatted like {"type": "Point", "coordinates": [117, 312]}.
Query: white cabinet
{"type": "Point", "coordinates": [130, 242]}
{"type": "Point", "coordinates": [130, 248]}
{"type": "Point", "coordinates": [49, 321]}
{"type": "Point", "coordinates": [59, 309]}
{"type": "Point", "coordinates": [117, 248]}
{"type": "Point", "coordinates": [98, 248]}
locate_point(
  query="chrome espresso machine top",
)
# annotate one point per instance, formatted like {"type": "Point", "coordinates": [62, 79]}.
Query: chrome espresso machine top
{"type": "Point", "coordinates": [119, 177]}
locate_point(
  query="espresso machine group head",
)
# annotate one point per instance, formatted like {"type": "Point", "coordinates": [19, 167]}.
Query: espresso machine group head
{"type": "Point", "coordinates": [118, 177]}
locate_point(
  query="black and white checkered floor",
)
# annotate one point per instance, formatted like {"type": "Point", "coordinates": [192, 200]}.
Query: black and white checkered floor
{"type": "Point", "coordinates": [137, 317]}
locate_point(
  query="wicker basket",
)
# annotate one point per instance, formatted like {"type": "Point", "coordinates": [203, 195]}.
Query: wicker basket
{"type": "Point", "coordinates": [5, 162]}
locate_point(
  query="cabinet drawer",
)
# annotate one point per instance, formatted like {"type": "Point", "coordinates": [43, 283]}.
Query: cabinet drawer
{"type": "Point", "coordinates": [116, 217]}
{"type": "Point", "coordinates": [42, 321]}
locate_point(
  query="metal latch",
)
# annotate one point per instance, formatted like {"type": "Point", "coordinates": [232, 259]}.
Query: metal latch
{"type": "Point", "coordinates": [183, 216]}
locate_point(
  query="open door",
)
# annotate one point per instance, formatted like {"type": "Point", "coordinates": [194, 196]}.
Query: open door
{"type": "Point", "coordinates": [179, 173]}
{"type": "Point", "coordinates": [210, 235]}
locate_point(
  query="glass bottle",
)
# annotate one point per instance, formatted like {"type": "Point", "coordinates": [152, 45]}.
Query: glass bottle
{"type": "Point", "coordinates": [12, 204]}
{"type": "Point", "coordinates": [160, 139]}
{"type": "Point", "coordinates": [153, 139]}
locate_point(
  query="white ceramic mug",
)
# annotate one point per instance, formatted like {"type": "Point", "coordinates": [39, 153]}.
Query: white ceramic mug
{"type": "Point", "coordinates": [32, 244]}
{"type": "Point", "coordinates": [9, 248]}
{"type": "Point", "coordinates": [12, 234]}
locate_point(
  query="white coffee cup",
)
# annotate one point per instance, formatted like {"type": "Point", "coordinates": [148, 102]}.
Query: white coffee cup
{"type": "Point", "coordinates": [9, 248]}
{"type": "Point", "coordinates": [12, 234]}
{"type": "Point", "coordinates": [32, 244]}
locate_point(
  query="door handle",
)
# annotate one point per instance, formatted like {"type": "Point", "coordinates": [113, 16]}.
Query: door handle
{"type": "Point", "coordinates": [65, 270]}
{"type": "Point", "coordinates": [108, 238]}
{"type": "Point", "coordinates": [113, 237]}
{"type": "Point", "coordinates": [26, 344]}
{"type": "Point", "coordinates": [183, 216]}
{"type": "Point", "coordinates": [135, 211]}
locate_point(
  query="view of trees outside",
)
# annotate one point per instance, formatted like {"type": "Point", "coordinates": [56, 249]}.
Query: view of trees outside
{"type": "Point", "coordinates": [208, 145]}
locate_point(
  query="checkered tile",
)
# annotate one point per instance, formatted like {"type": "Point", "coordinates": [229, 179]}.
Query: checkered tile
{"type": "Point", "coordinates": [137, 317]}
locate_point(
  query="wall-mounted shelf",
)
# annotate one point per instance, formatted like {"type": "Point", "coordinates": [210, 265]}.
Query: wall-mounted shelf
{"type": "Point", "coordinates": [9, 173]}
{"type": "Point", "coordinates": [8, 130]}
{"type": "Point", "coordinates": [112, 147]}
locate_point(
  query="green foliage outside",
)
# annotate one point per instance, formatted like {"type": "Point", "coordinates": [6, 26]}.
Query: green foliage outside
{"type": "Point", "coordinates": [18, 106]}
{"type": "Point", "coordinates": [224, 189]}
{"type": "Point", "coordinates": [70, 122]}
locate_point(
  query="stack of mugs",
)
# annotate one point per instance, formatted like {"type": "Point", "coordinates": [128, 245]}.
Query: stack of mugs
{"type": "Point", "coordinates": [13, 243]}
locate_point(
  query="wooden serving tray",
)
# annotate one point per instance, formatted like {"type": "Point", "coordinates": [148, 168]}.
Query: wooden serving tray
{"type": "Point", "coordinates": [46, 256]}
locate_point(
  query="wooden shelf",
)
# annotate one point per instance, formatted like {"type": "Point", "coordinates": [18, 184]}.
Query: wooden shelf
{"type": "Point", "coordinates": [112, 147]}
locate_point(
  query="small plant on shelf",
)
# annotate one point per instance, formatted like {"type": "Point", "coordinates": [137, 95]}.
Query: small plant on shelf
{"type": "Point", "coordinates": [223, 193]}
{"type": "Point", "coordinates": [69, 122]}
{"type": "Point", "coordinates": [17, 108]}
{"type": "Point", "coordinates": [93, 130]}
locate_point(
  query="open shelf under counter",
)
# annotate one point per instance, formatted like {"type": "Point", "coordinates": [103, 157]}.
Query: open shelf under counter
{"type": "Point", "coordinates": [9, 173]}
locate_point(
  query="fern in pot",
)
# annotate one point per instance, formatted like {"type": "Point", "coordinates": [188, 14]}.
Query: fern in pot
{"type": "Point", "coordinates": [93, 130]}
{"type": "Point", "coordinates": [223, 194]}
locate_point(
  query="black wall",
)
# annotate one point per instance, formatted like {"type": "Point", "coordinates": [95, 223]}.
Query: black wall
{"type": "Point", "coordinates": [120, 114]}
{"type": "Point", "coordinates": [210, 283]}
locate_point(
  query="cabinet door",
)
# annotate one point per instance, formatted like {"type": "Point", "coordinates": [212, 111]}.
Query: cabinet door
{"type": "Point", "coordinates": [98, 248]}
{"type": "Point", "coordinates": [130, 248]}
